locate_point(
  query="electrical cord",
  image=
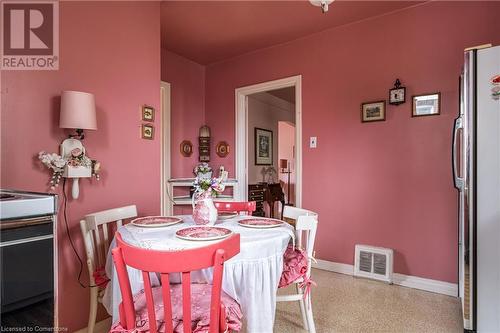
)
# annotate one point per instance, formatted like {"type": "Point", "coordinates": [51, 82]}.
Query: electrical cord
{"type": "Point", "coordinates": [65, 202]}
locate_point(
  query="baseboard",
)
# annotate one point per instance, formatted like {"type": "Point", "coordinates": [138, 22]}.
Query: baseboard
{"type": "Point", "coordinates": [334, 267]}
{"type": "Point", "coordinates": [435, 286]}
{"type": "Point", "coordinates": [102, 326]}
{"type": "Point", "coordinates": [415, 282]}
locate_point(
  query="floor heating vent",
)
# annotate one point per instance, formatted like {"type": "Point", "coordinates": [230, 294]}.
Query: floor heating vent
{"type": "Point", "coordinates": [373, 262]}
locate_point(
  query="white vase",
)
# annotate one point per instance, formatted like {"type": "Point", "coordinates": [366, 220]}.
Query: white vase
{"type": "Point", "coordinates": [204, 175]}
{"type": "Point", "coordinates": [204, 211]}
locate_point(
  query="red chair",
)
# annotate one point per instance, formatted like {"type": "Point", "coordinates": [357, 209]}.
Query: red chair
{"type": "Point", "coordinates": [148, 317]}
{"type": "Point", "coordinates": [233, 206]}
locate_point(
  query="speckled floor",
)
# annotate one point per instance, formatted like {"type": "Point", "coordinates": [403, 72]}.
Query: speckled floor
{"type": "Point", "coordinates": [342, 303]}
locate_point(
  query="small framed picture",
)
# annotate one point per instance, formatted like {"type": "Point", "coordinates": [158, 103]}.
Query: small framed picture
{"type": "Point", "coordinates": [186, 148]}
{"type": "Point", "coordinates": [397, 95]}
{"type": "Point", "coordinates": [222, 149]}
{"type": "Point", "coordinates": [148, 113]}
{"type": "Point", "coordinates": [263, 146]}
{"type": "Point", "coordinates": [373, 111]}
{"type": "Point", "coordinates": [426, 105]}
{"type": "Point", "coordinates": [147, 131]}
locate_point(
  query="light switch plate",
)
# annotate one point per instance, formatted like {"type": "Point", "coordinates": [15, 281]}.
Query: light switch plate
{"type": "Point", "coordinates": [313, 142]}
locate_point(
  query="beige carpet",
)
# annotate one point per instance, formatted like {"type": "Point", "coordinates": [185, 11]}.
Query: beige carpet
{"type": "Point", "coordinates": [342, 303]}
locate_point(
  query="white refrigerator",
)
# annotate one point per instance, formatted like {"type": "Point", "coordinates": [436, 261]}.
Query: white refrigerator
{"type": "Point", "coordinates": [476, 169]}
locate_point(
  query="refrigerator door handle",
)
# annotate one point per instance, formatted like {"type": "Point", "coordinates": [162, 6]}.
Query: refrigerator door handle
{"type": "Point", "coordinates": [459, 182]}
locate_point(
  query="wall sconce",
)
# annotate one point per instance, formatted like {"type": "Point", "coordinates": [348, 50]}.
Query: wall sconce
{"type": "Point", "coordinates": [204, 144]}
{"type": "Point", "coordinates": [77, 112]}
{"type": "Point", "coordinates": [321, 3]}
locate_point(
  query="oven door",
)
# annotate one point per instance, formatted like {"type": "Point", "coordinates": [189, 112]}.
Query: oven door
{"type": "Point", "coordinates": [27, 256]}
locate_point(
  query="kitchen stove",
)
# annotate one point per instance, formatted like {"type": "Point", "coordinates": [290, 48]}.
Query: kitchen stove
{"type": "Point", "coordinates": [17, 204]}
{"type": "Point", "coordinates": [28, 260]}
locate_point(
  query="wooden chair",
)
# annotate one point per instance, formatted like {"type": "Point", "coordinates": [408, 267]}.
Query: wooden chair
{"type": "Point", "coordinates": [232, 206]}
{"type": "Point", "coordinates": [95, 231]}
{"type": "Point", "coordinates": [306, 223]}
{"type": "Point", "coordinates": [272, 194]}
{"type": "Point", "coordinates": [164, 263]}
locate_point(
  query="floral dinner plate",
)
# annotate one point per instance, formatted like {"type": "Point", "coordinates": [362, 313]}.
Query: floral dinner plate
{"type": "Point", "coordinates": [203, 233]}
{"type": "Point", "coordinates": [156, 221]}
{"type": "Point", "coordinates": [226, 215]}
{"type": "Point", "coordinates": [261, 223]}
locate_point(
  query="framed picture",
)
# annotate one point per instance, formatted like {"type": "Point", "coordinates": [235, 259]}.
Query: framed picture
{"type": "Point", "coordinates": [186, 148]}
{"type": "Point", "coordinates": [263, 146]}
{"type": "Point", "coordinates": [373, 111]}
{"type": "Point", "coordinates": [397, 95]}
{"type": "Point", "coordinates": [222, 149]}
{"type": "Point", "coordinates": [148, 113]}
{"type": "Point", "coordinates": [426, 105]}
{"type": "Point", "coordinates": [147, 131]}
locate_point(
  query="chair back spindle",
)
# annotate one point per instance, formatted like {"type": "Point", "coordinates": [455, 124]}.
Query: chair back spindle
{"type": "Point", "coordinates": [165, 262]}
{"type": "Point", "coordinates": [96, 230]}
{"type": "Point", "coordinates": [306, 223]}
{"type": "Point", "coordinates": [247, 207]}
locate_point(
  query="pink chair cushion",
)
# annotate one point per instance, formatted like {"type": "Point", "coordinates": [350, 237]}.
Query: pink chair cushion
{"type": "Point", "coordinates": [294, 266]}
{"type": "Point", "coordinates": [200, 310]}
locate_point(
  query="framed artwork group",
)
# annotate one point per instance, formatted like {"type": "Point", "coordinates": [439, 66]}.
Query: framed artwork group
{"type": "Point", "coordinates": [422, 105]}
{"type": "Point", "coordinates": [148, 129]}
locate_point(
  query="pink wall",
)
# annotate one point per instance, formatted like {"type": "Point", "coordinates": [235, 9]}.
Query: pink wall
{"type": "Point", "coordinates": [111, 50]}
{"type": "Point", "coordinates": [387, 183]}
{"type": "Point", "coordinates": [187, 80]}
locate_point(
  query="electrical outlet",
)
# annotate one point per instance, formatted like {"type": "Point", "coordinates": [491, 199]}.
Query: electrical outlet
{"type": "Point", "coordinates": [313, 142]}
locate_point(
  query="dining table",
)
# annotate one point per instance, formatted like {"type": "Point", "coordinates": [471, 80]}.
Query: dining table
{"type": "Point", "coordinates": [251, 277]}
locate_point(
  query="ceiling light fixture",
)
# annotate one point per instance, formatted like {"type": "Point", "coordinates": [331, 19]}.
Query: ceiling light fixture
{"type": "Point", "coordinates": [321, 3]}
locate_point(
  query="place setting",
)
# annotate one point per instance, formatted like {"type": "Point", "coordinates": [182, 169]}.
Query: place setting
{"type": "Point", "coordinates": [203, 233]}
{"type": "Point", "coordinates": [261, 223]}
{"type": "Point", "coordinates": [156, 221]}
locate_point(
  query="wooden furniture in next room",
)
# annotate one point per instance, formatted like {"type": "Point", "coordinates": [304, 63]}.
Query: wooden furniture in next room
{"type": "Point", "coordinates": [256, 193]}
{"type": "Point", "coordinates": [272, 194]}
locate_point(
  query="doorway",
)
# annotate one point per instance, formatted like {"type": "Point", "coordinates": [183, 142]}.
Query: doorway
{"type": "Point", "coordinates": [254, 163]}
{"type": "Point", "coordinates": [165, 146]}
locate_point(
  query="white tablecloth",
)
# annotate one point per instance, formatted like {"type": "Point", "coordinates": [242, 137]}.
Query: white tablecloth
{"type": "Point", "coordinates": [251, 277]}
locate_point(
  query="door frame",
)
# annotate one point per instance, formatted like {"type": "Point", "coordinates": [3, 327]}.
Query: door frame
{"type": "Point", "coordinates": [165, 144]}
{"type": "Point", "coordinates": [241, 134]}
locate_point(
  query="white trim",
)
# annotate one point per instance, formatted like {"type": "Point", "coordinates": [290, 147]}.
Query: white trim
{"type": "Point", "coordinates": [241, 137]}
{"type": "Point", "coordinates": [415, 282]}
{"type": "Point", "coordinates": [334, 267]}
{"type": "Point", "coordinates": [435, 286]}
{"type": "Point", "coordinates": [165, 143]}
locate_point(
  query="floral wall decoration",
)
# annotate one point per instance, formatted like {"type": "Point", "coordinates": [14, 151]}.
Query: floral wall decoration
{"type": "Point", "coordinates": [58, 164]}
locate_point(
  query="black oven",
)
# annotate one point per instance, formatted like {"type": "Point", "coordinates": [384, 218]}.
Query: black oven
{"type": "Point", "coordinates": [27, 268]}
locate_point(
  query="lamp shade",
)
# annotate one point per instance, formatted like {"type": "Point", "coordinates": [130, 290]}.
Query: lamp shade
{"type": "Point", "coordinates": [77, 110]}
{"type": "Point", "coordinates": [283, 164]}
